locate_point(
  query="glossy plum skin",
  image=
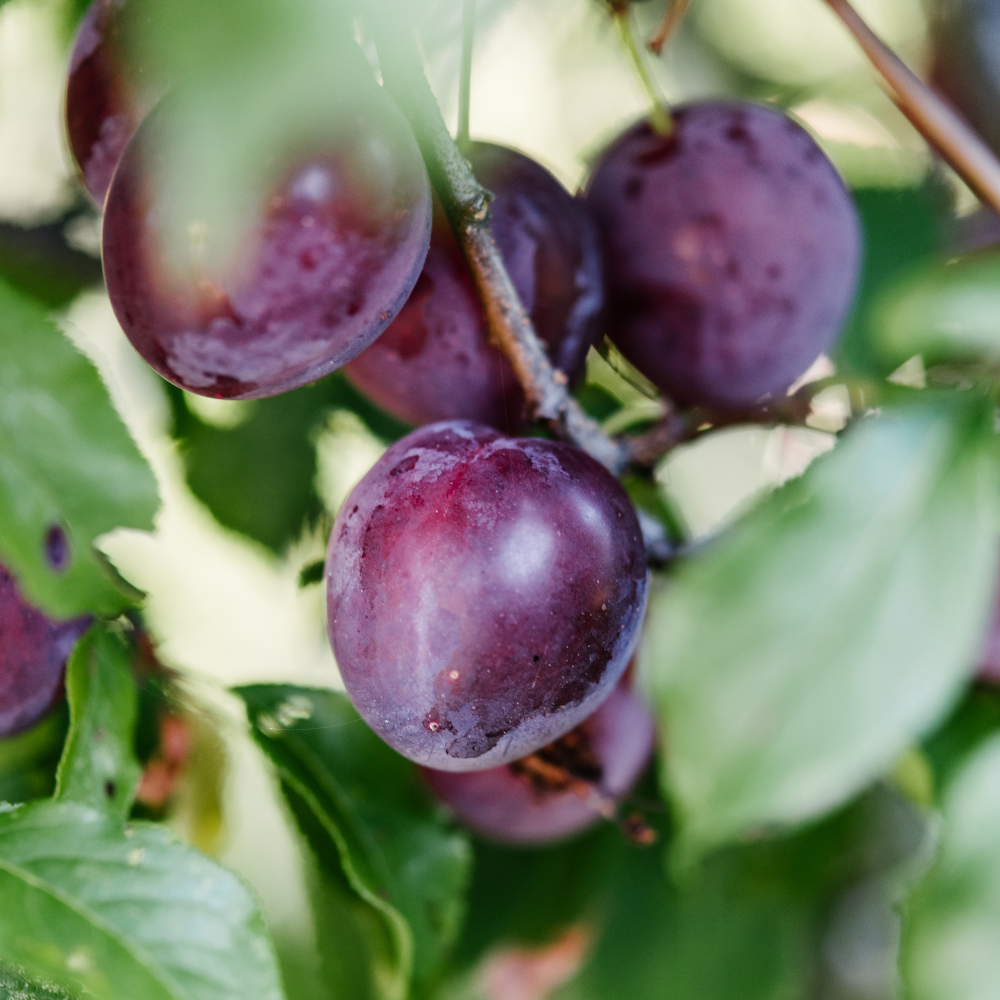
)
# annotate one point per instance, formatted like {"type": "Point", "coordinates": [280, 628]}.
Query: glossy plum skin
{"type": "Point", "coordinates": [101, 110]}
{"type": "Point", "coordinates": [504, 804]}
{"type": "Point", "coordinates": [484, 593]}
{"type": "Point", "coordinates": [435, 361]}
{"type": "Point", "coordinates": [732, 251]}
{"type": "Point", "coordinates": [331, 257]}
{"type": "Point", "coordinates": [33, 653]}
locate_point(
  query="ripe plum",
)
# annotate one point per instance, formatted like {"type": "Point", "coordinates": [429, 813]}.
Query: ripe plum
{"type": "Point", "coordinates": [33, 653]}
{"type": "Point", "coordinates": [328, 261]}
{"type": "Point", "coordinates": [732, 251]}
{"type": "Point", "coordinates": [435, 361]}
{"type": "Point", "coordinates": [484, 593]}
{"type": "Point", "coordinates": [102, 111]}
{"type": "Point", "coordinates": [562, 788]}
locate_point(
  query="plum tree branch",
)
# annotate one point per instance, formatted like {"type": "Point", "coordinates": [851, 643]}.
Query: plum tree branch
{"type": "Point", "coordinates": [670, 23]}
{"type": "Point", "coordinates": [466, 204]}
{"type": "Point", "coordinates": [963, 150]}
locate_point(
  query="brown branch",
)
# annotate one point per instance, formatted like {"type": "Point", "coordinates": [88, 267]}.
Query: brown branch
{"type": "Point", "coordinates": [646, 449]}
{"type": "Point", "coordinates": [466, 203]}
{"type": "Point", "coordinates": [956, 143]}
{"type": "Point", "coordinates": [670, 23]}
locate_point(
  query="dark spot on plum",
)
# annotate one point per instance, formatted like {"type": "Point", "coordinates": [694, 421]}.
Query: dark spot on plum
{"type": "Point", "coordinates": [408, 463]}
{"type": "Point", "coordinates": [633, 188]}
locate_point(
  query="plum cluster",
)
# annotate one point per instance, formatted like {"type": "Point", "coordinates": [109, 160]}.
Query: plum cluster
{"type": "Point", "coordinates": [485, 591]}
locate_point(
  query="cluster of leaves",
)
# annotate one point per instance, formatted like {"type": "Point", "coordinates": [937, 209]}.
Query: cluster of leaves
{"type": "Point", "coordinates": [826, 762]}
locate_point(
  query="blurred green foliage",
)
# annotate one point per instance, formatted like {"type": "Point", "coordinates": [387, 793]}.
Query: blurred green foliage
{"type": "Point", "coordinates": [68, 464]}
{"type": "Point", "coordinates": [903, 229]}
{"type": "Point", "coordinates": [783, 700]}
{"type": "Point", "coordinates": [259, 477]}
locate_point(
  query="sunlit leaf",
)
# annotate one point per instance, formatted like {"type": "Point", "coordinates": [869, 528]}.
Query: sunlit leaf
{"type": "Point", "coordinates": [68, 468]}
{"type": "Point", "coordinates": [800, 655]}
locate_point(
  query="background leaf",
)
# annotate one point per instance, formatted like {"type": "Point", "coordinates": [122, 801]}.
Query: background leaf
{"type": "Point", "coordinates": [805, 651]}
{"type": "Point", "coordinates": [394, 846]}
{"type": "Point", "coordinates": [903, 229]}
{"type": "Point", "coordinates": [29, 760]}
{"type": "Point", "coordinates": [947, 313]}
{"type": "Point", "coordinates": [66, 463]}
{"type": "Point", "coordinates": [259, 477]}
{"type": "Point", "coordinates": [953, 922]}
{"type": "Point", "coordinates": [98, 767]}
{"type": "Point", "coordinates": [39, 262]}
{"type": "Point", "coordinates": [126, 913]}
{"type": "Point", "coordinates": [13, 986]}
{"type": "Point", "coordinates": [755, 920]}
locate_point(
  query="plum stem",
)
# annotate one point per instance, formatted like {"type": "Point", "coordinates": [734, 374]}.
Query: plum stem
{"type": "Point", "coordinates": [675, 428]}
{"type": "Point", "coordinates": [660, 119]}
{"type": "Point", "coordinates": [465, 74]}
{"type": "Point", "coordinates": [676, 10]}
{"type": "Point", "coordinates": [466, 204]}
{"type": "Point", "coordinates": [956, 143]}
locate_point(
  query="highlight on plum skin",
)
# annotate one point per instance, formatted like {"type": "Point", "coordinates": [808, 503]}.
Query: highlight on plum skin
{"type": "Point", "coordinates": [328, 261]}
{"type": "Point", "coordinates": [732, 251]}
{"type": "Point", "coordinates": [484, 593]}
{"type": "Point", "coordinates": [102, 111]}
{"type": "Point", "coordinates": [435, 361]}
{"type": "Point", "coordinates": [33, 654]}
{"type": "Point", "coordinates": [563, 788]}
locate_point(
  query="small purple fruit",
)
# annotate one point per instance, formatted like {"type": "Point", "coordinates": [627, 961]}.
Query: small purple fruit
{"type": "Point", "coordinates": [732, 251]}
{"type": "Point", "coordinates": [33, 653]}
{"type": "Point", "coordinates": [331, 254]}
{"type": "Point", "coordinates": [435, 361]}
{"type": "Point", "coordinates": [484, 593]}
{"type": "Point", "coordinates": [562, 788]}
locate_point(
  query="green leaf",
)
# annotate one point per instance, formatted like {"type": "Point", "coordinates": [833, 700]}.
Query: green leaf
{"type": "Point", "coordinates": [975, 719]}
{"type": "Point", "coordinates": [356, 946]}
{"type": "Point", "coordinates": [393, 845]}
{"type": "Point", "coordinates": [14, 986]}
{"type": "Point", "coordinates": [953, 922]}
{"type": "Point", "coordinates": [29, 760]}
{"type": "Point", "coordinates": [903, 228]}
{"type": "Point", "coordinates": [66, 462]}
{"type": "Point", "coordinates": [526, 896]}
{"type": "Point", "coordinates": [751, 923]}
{"type": "Point", "coordinates": [126, 914]}
{"type": "Point", "coordinates": [259, 477]}
{"type": "Point", "coordinates": [795, 660]}
{"type": "Point", "coordinates": [39, 262]}
{"type": "Point", "coordinates": [98, 767]}
{"type": "Point", "coordinates": [946, 313]}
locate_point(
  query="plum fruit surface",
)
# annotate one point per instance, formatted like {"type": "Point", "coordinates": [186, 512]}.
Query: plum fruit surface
{"type": "Point", "coordinates": [484, 593]}
{"type": "Point", "coordinates": [732, 251]}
